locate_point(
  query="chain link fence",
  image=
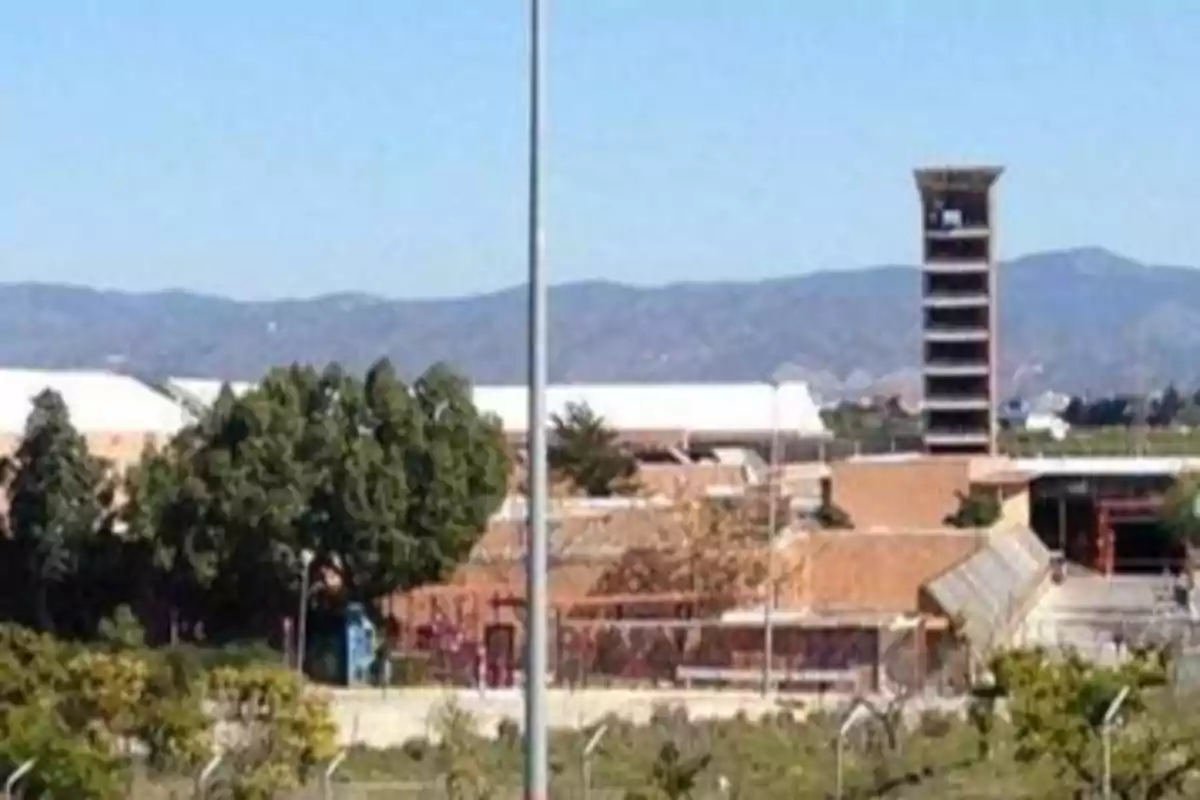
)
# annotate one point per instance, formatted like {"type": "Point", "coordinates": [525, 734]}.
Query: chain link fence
{"type": "Point", "coordinates": [437, 790]}
{"type": "Point", "coordinates": [339, 789]}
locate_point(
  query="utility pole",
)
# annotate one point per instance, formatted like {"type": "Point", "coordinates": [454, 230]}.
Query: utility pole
{"type": "Point", "coordinates": [772, 523]}
{"type": "Point", "coordinates": [537, 634]}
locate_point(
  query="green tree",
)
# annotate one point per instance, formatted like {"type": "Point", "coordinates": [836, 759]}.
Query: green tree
{"type": "Point", "coordinates": [1179, 511]}
{"type": "Point", "coordinates": [977, 508]}
{"type": "Point", "coordinates": [59, 502]}
{"type": "Point", "coordinates": [1165, 410]}
{"type": "Point", "coordinates": [587, 453]}
{"type": "Point", "coordinates": [169, 544]}
{"type": "Point", "coordinates": [389, 485]}
{"type": "Point", "coordinates": [1056, 707]}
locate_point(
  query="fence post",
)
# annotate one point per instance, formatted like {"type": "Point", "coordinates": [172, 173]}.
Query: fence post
{"type": "Point", "coordinates": [327, 776]}
{"type": "Point", "coordinates": [588, 750]}
{"type": "Point", "coordinates": [858, 709]}
{"type": "Point", "coordinates": [19, 773]}
{"type": "Point", "coordinates": [205, 774]}
{"type": "Point", "coordinates": [1106, 728]}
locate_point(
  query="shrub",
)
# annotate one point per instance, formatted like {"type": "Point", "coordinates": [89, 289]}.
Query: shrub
{"type": "Point", "coordinates": [409, 670]}
{"type": "Point", "coordinates": [282, 731]}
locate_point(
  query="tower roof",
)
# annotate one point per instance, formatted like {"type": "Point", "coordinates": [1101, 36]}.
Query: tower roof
{"type": "Point", "coordinates": [976, 178]}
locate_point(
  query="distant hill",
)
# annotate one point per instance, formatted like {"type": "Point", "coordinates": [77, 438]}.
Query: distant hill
{"type": "Point", "coordinates": [1092, 319]}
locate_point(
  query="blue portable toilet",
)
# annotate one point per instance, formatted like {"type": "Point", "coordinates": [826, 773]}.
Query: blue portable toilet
{"type": "Point", "coordinates": [359, 638]}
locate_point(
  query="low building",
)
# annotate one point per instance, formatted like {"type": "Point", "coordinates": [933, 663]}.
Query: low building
{"type": "Point", "coordinates": [887, 602]}
{"type": "Point", "coordinates": [118, 415]}
{"type": "Point", "coordinates": [911, 490]}
{"type": "Point", "coordinates": [1103, 512]}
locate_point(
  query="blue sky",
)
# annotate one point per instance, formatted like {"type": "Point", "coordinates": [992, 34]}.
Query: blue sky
{"type": "Point", "coordinates": [297, 147]}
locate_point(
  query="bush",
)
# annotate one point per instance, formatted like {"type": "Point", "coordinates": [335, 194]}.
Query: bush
{"type": "Point", "coordinates": [409, 670]}
{"type": "Point", "coordinates": [76, 710]}
{"type": "Point", "coordinates": [238, 655]}
{"type": "Point", "coordinates": [123, 630]}
{"type": "Point", "coordinates": [282, 730]}
{"type": "Point", "coordinates": [978, 508]}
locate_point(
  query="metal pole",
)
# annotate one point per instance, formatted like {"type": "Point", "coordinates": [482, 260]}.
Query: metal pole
{"type": "Point", "coordinates": [206, 773]}
{"type": "Point", "coordinates": [588, 749]}
{"type": "Point", "coordinates": [327, 775]}
{"type": "Point", "coordinates": [1106, 726]}
{"type": "Point", "coordinates": [536, 640]}
{"type": "Point", "coordinates": [20, 772]}
{"type": "Point", "coordinates": [841, 745]}
{"type": "Point", "coordinates": [302, 616]}
{"type": "Point", "coordinates": [1106, 789]}
{"type": "Point", "coordinates": [858, 708]}
{"type": "Point", "coordinates": [773, 501]}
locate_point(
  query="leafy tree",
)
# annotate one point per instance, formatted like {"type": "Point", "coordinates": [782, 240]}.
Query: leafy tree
{"type": "Point", "coordinates": [59, 501]}
{"type": "Point", "coordinates": [586, 452]}
{"type": "Point", "coordinates": [1056, 707]}
{"type": "Point", "coordinates": [389, 485]}
{"type": "Point", "coordinates": [709, 548]}
{"type": "Point", "coordinates": [173, 548]}
{"type": "Point", "coordinates": [977, 508]}
{"type": "Point", "coordinates": [1167, 407]}
{"type": "Point", "coordinates": [1104, 412]}
{"type": "Point", "coordinates": [1178, 513]}
{"type": "Point", "coordinates": [877, 423]}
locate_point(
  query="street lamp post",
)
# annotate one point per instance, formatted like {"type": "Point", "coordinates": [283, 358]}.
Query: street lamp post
{"type": "Point", "coordinates": [772, 523]}
{"type": "Point", "coordinates": [306, 559]}
{"type": "Point", "coordinates": [1106, 728]}
{"type": "Point", "coordinates": [537, 635]}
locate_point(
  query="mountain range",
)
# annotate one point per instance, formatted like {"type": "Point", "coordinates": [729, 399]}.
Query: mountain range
{"type": "Point", "coordinates": [1082, 320]}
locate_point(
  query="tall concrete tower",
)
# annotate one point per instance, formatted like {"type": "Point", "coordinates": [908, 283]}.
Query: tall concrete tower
{"type": "Point", "coordinates": [958, 311]}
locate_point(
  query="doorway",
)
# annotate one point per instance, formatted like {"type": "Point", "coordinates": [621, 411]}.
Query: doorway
{"type": "Point", "coordinates": [1144, 546]}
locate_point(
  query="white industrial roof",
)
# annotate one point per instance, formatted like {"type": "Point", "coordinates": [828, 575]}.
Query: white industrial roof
{"type": "Point", "coordinates": [204, 390]}
{"type": "Point", "coordinates": [695, 408]}
{"type": "Point", "coordinates": [99, 402]}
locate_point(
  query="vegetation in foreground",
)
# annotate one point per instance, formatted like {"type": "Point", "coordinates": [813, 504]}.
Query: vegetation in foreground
{"type": "Point", "coordinates": [96, 718]}
{"type": "Point", "coordinates": [1033, 733]}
